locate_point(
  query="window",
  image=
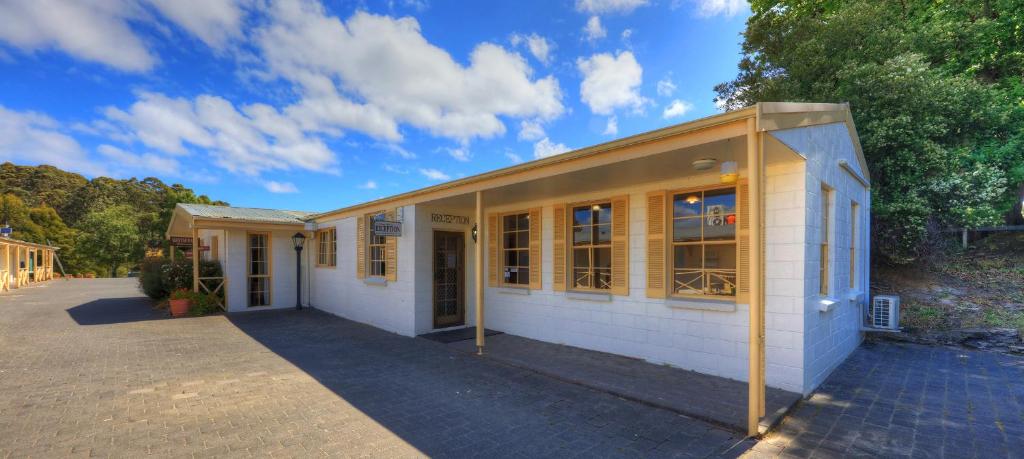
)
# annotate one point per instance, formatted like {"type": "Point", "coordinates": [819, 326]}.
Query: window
{"type": "Point", "coordinates": [515, 236]}
{"type": "Point", "coordinates": [377, 249]}
{"type": "Point", "coordinates": [592, 246]}
{"type": "Point", "coordinates": [826, 218]}
{"type": "Point", "coordinates": [259, 269]}
{"type": "Point", "coordinates": [327, 247]}
{"type": "Point", "coordinates": [704, 242]}
{"type": "Point", "coordinates": [853, 243]}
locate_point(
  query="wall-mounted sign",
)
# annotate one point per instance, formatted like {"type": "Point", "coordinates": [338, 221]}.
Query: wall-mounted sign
{"type": "Point", "coordinates": [452, 219]}
{"type": "Point", "coordinates": [387, 229]}
{"type": "Point", "coordinates": [181, 241]}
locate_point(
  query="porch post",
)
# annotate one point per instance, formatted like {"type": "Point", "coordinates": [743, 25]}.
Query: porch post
{"type": "Point", "coordinates": [478, 272]}
{"type": "Point", "coordinates": [756, 334]}
{"type": "Point", "coordinates": [195, 258]}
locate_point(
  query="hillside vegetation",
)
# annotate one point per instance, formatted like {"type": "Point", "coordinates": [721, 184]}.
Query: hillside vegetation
{"type": "Point", "coordinates": [102, 225]}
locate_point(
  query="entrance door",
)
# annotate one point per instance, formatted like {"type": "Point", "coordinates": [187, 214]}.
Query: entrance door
{"type": "Point", "coordinates": [449, 274]}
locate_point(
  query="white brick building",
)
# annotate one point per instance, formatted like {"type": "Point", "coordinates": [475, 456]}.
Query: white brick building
{"type": "Point", "coordinates": [644, 246]}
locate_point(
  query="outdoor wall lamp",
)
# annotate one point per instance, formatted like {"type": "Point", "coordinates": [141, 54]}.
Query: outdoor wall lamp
{"type": "Point", "coordinates": [298, 240]}
{"type": "Point", "coordinates": [474, 233]}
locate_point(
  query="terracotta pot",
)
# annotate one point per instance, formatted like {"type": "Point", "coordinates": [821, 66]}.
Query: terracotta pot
{"type": "Point", "coordinates": [180, 307]}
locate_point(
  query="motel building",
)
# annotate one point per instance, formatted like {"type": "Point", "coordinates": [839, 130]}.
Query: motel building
{"type": "Point", "coordinates": [733, 245]}
{"type": "Point", "coordinates": [23, 263]}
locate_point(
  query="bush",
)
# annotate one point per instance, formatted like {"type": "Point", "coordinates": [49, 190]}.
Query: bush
{"type": "Point", "coordinates": [201, 303]}
{"type": "Point", "coordinates": [151, 278]}
{"type": "Point", "coordinates": [159, 276]}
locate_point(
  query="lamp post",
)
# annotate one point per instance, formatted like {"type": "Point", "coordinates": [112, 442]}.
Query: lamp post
{"type": "Point", "coordinates": [298, 240]}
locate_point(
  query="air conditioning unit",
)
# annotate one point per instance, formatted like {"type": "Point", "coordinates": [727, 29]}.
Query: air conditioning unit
{"type": "Point", "coordinates": [885, 312]}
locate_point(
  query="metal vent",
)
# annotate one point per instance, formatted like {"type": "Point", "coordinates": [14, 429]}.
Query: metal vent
{"type": "Point", "coordinates": [885, 312]}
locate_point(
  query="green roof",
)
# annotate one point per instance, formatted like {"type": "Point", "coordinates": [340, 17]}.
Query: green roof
{"type": "Point", "coordinates": [247, 214]}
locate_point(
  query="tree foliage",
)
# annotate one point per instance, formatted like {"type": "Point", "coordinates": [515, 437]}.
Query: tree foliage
{"type": "Point", "coordinates": [45, 203]}
{"type": "Point", "coordinates": [936, 92]}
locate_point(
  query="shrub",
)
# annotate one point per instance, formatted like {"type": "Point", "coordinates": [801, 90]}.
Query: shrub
{"type": "Point", "coordinates": [151, 278]}
{"type": "Point", "coordinates": [181, 294]}
{"type": "Point", "coordinates": [179, 273]}
{"type": "Point", "coordinates": [203, 304]}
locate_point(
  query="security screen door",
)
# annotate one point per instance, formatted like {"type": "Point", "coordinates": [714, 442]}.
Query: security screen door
{"type": "Point", "coordinates": [449, 274]}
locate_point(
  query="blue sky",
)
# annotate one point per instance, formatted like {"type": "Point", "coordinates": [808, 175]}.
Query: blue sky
{"type": "Point", "coordinates": [311, 105]}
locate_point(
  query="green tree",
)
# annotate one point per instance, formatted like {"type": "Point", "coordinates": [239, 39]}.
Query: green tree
{"type": "Point", "coordinates": [111, 237]}
{"type": "Point", "coordinates": [936, 93]}
{"type": "Point", "coordinates": [15, 213]}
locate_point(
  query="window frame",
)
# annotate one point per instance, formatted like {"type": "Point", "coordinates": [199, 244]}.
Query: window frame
{"type": "Point", "coordinates": [825, 244]}
{"type": "Point", "coordinates": [503, 250]}
{"type": "Point", "coordinates": [571, 246]}
{"type": "Point", "coordinates": [248, 268]}
{"type": "Point", "coordinates": [327, 249]}
{"type": "Point", "coordinates": [370, 245]}
{"type": "Point", "coordinates": [854, 235]}
{"type": "Point", "coordinates": [671, 242]}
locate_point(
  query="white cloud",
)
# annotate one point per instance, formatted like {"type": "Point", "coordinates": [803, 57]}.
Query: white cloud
{"type": "Point", "coordinates": [530, 130]}
{"type": "Point", "coordinates": [515, 158]}
{"type": "Point", "coordinates": [626, 34]}
{"type": "Point", "coordinates": [126, 163]}
{"type": "Point", "coordinates": [728, 8]}
{"type": "Point", "coordinates": [101, 31]}
{"type": "Point", "coordinates": [608, 6]}
{"type": "Point", "coordinates": [369, 185]}
{"type": "Point", "coordinates": [400, 76]}
{"type": "Point", "coordinates": [539, 46]}
{"type": "Point", "coordinates": [612, 127]}
{"type": "Point", "coordinates": [280, 187]}
{"type": "Point", "coordinates": [611, 82]}
{"type": "Point", "coordinates": [460, 154]}
{"type": "Point", "coordinates": [545, 147]}
{"type": "Point", "coordinates": [666, 87]}
{"type": "Point", "coordinates": [593, 30]}
{"type": "Point", "coordinates": [395, 169]}
{"type": "Point", "coordinates": [251, 140]}
{"type": "Point", "coordinates": [34, 138]}
{"type": "Point", "coordinates": [398, 150]}
{"type": "Point", "coordinates": [676, 109]}
{"type": "Point", "coordinates": [434, 174]}
{"type": "Point", "coordinates": [93, 31]}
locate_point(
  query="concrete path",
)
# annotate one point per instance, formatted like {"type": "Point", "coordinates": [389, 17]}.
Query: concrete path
{"type": "Point", "coordinates": [87, 368]}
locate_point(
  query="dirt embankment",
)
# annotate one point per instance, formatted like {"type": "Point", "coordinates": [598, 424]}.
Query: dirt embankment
{"type": "Point", "coordinates": [973, 298]}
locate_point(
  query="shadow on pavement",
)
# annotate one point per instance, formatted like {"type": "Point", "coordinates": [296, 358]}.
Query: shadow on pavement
{"type": "Point", "coordinates": [108, 311]}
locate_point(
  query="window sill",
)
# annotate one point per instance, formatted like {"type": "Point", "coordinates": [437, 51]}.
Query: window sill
{"type": "Point", "coordinates": [513, 290]}
{"type": "Point", "coordinates": [702, 304]}
{"type": "Point", "coordinates": [827, 303]}
{"type": "Point", "coordinates": [325, 267]}
{"type": "Point", "coordinates": [589, 296]}
{"type": "Point", "coordinates": [377, 281]}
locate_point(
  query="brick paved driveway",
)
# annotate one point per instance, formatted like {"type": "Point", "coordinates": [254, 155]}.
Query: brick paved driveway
{"type": "Point", "coordinates": [905, 400]}
{"type": "Point", "coordinates": [86, 368]}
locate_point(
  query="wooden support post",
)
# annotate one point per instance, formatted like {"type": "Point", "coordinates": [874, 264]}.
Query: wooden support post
{"type": "Point", "coordinates": [754, 376]}
{"type": "Point", "coordinates": [195, 258]}
{"type": "Point", "coordinates": [478, 271]}
{"type": "Point", "coordinates": [964, 238]}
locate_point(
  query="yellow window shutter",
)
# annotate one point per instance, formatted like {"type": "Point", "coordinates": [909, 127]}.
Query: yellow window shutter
{"type": "Point", "coordinates": [391, 253]}
{"type": "Point", "coordinates": [558, 248]}
{"type": "Point", "coordinates": [743, 242]}
{"type": "Point", "coordinates": [361, 247]}
{"type": "Point", "coordinates": [620, 245]}
{"type": "Point", "coordinates": [656, 244]}
{"type": "Point", "coordinates": [492, 249]}
{"type": "Point", "coordinates": [535, 241]}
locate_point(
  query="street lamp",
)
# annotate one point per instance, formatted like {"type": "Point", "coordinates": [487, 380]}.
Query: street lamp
{"type": "Point", "coordinates": [298, 240]}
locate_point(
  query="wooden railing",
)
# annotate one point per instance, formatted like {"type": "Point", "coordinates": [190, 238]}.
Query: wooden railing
{"type": "Point", "coordinates": [216, 286]}
{"type": "Point", "coordinates": [705, 281]}
{"type": "Point", "coordinates": [5, 280]}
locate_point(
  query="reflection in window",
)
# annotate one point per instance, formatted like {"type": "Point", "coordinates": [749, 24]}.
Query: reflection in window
{"type": "Point", "coordinates": [377, 249]}
{"type": "Point", "coordinates": [515, 232]}
{"type": "Point", "coordinates": [259, 269]}
{"type": "Point", "coordinates": [704, 242]}
{"type": "Point", "coordinates": [592, 246]}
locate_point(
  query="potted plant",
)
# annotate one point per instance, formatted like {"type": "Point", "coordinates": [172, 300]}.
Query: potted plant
{"type": "Point", "coordinates": [180, 301]}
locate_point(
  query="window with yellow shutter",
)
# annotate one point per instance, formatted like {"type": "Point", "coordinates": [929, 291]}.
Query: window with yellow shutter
{"type": "Point", "coordinates": [703, 248]}
{"type": "Point", "coordinates": [376, 248]}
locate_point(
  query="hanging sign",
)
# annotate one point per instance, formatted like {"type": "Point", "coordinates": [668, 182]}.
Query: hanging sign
{"type": "Point", "coordinates": [181, 241]}
{"type": "Point", "coordinates": [453, 219]}
{"type": "Point", "coordinates": [387, 229]}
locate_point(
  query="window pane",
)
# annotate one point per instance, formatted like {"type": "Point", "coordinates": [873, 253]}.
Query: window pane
{"type": "Point", "coordinates": [581, 258]}
{"type": "Point", "coordinates": [581, 216]}
{"type": "Point", "coordinates": [720, 256]}
{"type": "Point", "coordinates": [717, 226]}
{"type": "Point", "coordinates": [687, 257]}
{"type": "Point", "coordinates": [686, 229]}
{"type": "Point", "coordinates": [688, 281]}
{"type": "Point", "coordinates": [724, 199]}
{"type": "Point", "coordinates": [603, 258]}
{"type": "Point", "coordinates": [511, 276]}
{"type": "Point", "coordinates": [720, 214]}
{"type": "Point", "coordinates": [524, 221]}
{"type": "Point", "coordinates": [602, 213]}
{"type": "Point", "coordinates": [511, 258]}
{"type": "Point", "coordinates": [581, 235]}
{"type": "Point", "coordinates": [524, 275]}
{"type": "Point", "coordinates": [510, 240]}
{"type": "Point", "coordinates": [686, 205]}
{"type": "Point", "coordinates": [524, 258]}
{"type": "Point", "coordinates": [602, 234]}
{"type": "Point", "coordinates": [523, 239]}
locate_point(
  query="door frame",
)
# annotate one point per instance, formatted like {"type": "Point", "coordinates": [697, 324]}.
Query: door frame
{"type": "Point", "coordinates": [461, 321]}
